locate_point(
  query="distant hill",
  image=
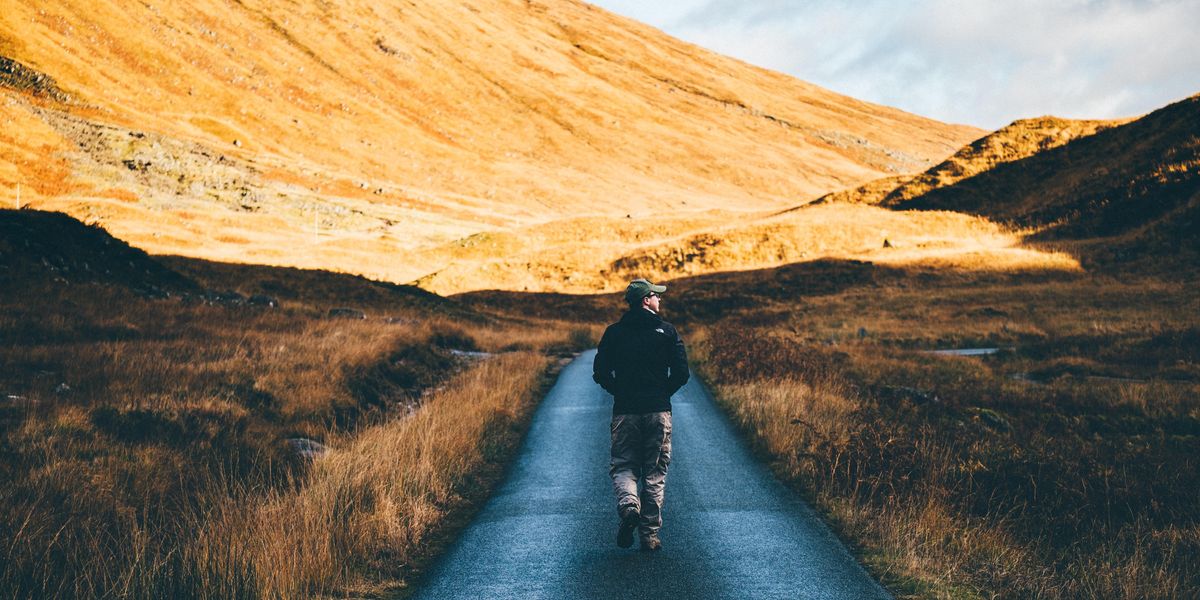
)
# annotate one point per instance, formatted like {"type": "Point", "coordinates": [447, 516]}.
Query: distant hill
{"type": "Point", "coordinates": [1039, 194]}
{"type": "Point", "coordinates": [1020, 139]}
{"type": "Point", "coordinates": [1128, 192]}
{"type": "Point", "coordinates": [349, 135]}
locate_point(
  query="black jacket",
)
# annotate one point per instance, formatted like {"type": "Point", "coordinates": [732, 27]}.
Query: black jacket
{"type": "Point", "coordinates": [641, 362]}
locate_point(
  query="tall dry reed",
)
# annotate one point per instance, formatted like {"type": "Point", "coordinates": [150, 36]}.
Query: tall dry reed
{"type": "Point", "coordinates": [368, 505]}
{"type": "Point", "coordinates": [957, 481]}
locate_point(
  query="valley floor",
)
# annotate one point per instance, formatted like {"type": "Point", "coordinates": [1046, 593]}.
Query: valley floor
{"type": "Point", "coordinates": [153, 411]}
{"type": "Point", "coordinates": [1062, 466]}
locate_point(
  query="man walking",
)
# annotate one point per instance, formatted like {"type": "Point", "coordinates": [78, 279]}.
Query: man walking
{"type": "Point", "coordinates": [641, 362]}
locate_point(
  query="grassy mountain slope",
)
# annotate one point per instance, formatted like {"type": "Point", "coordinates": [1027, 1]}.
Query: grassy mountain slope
{"type": "Point", "coordinates": [566, 255]}
{"type": "Point", "coordinates": [1143, 174]}
{"type": "Point", "coordinates": [590, 254]}
{"type": "Point", "coordinates": [1020, 139]}
{"type": "Point", "coordinates": [1102, 191]}
{"type": "Point", "coordinates": [322, 135]}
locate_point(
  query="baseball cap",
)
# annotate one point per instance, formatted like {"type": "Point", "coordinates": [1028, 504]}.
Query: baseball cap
{"type": "Point", "coordinates": [640, 288]}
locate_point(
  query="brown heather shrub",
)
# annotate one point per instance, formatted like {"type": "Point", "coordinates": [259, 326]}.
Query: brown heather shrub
{"type": "Point", "coordinates": [363, 510]}
{"type": "Point", "coordinates": [743, 354]}
{"type": "Point", "coordinates": [960, 478]}
{"type": "Point", "coordinates": [142, 441]}
{"type": "Point", "coordinates": [372, 502]}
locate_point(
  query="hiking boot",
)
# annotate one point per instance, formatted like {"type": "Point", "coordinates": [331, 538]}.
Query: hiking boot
{"type": "Point", "coordinates": [651, 543]}
{"type": "Point", "coordinates": [629, 523]}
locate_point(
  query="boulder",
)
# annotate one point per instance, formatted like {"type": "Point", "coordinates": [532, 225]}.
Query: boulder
{"type": "Point", "coordinates": [228, 297]}
{"type": "Point", "coordinates": [262, 300]}
{"type": "Point", "coordinates": [306, 448]}
{"type": "Point", "coordinates": [346, 313]}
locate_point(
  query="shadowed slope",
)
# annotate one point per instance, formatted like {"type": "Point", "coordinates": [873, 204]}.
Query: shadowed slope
{"type": "Point", "coordinates": [1020, 139]}
{"type": "Point", "coordinates": [42, 247]}
{"type": "Point", "coordinates": [49, 254]}
{"type": "Point", "coordinates": [1116, 181]}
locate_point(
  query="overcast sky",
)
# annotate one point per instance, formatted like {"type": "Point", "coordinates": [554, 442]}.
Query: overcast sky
{"type": "Point", "coordinates": [981, 62]}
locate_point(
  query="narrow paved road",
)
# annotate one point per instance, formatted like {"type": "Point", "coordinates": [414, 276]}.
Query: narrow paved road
{"type": "Point", "coordinates": [730, 529]}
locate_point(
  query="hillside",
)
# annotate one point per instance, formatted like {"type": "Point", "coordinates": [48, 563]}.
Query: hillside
{"type": "Point", "coordinates": [45, 254]}
{"type": "Point", "coordinates": [320, 135]}
{"type": "Point", "coordinates": [1020, 139]}
{"type": "Point", "coordinates": [1125, 180]}
{"type": "Point", "coordinates": [1101, 192]}
{"type": "Point", "coordinates": [587, 255]}
{"type": "Point", "coordinates": [38, 248]}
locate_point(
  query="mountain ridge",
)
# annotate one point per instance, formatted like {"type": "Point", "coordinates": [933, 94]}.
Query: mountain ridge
{"type": "Point", "coordinates": [1020, 139]}
{"type": "Point", "coordinates": [1107, 184]}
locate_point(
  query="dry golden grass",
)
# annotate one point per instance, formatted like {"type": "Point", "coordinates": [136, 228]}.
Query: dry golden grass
{"type": "Point", "coordinates": [144, 440]}
{"type": "Point", "coordinates": [1063, 467]}
{"type": "Point", "coordinates": [362, 516]}
{"type": "Point", "coordinates": [377, 497]}
{"type": "Point", "coordinates": [590, 255]}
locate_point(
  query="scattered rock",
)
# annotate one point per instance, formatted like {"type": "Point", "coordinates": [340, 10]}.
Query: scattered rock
{"type": "Point", "coordinates": [306, 448]}
{"type": "Point", "coordinates": [900, 393]}
{"type": "Point", "coordinates": [62, 388]}
{"type": "Point", "coordinates": [262, 300]}
{"type": "Point", "coordinates": [1025, 378]}
{"type": "Point", "coordinates": [887, 243]}
{"type": "Point", "coordinates": [135, 164]}
{"type": "Point", "coordinates": [17, 76]}
{"type": "Point", "coordinates": [153, 292]}
{"type": "Point", "coordinates": [989, 311]}
{"type": "Point", "coordinates": [237, 143]}
{"type": "Point", "coordinates": [992, 419]}
{"type": "Point", "coordinates": [470, 355]}
{"type": "Point", "coordinates": [346, 313]}
{"type": "Point", "coordinates": [228, 298]}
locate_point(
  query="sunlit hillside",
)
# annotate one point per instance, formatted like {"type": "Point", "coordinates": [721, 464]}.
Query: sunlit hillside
{"type": "Point", "coordinates": [347, 135]}
{"type": "Point", "coordinates": [1135, 177]}
{"type": "Point", "coordinates": [582, 256]}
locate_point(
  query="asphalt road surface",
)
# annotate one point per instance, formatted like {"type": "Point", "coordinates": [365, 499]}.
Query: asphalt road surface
{"type": "Point", "coordinates": [730, 529]}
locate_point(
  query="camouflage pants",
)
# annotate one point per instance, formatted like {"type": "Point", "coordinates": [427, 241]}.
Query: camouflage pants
{"type": "Point", "coordinates": [641, 452]}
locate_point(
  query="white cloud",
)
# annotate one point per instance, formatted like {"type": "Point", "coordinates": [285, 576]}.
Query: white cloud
{"type": "Point", "coordinates": [984, 62]}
